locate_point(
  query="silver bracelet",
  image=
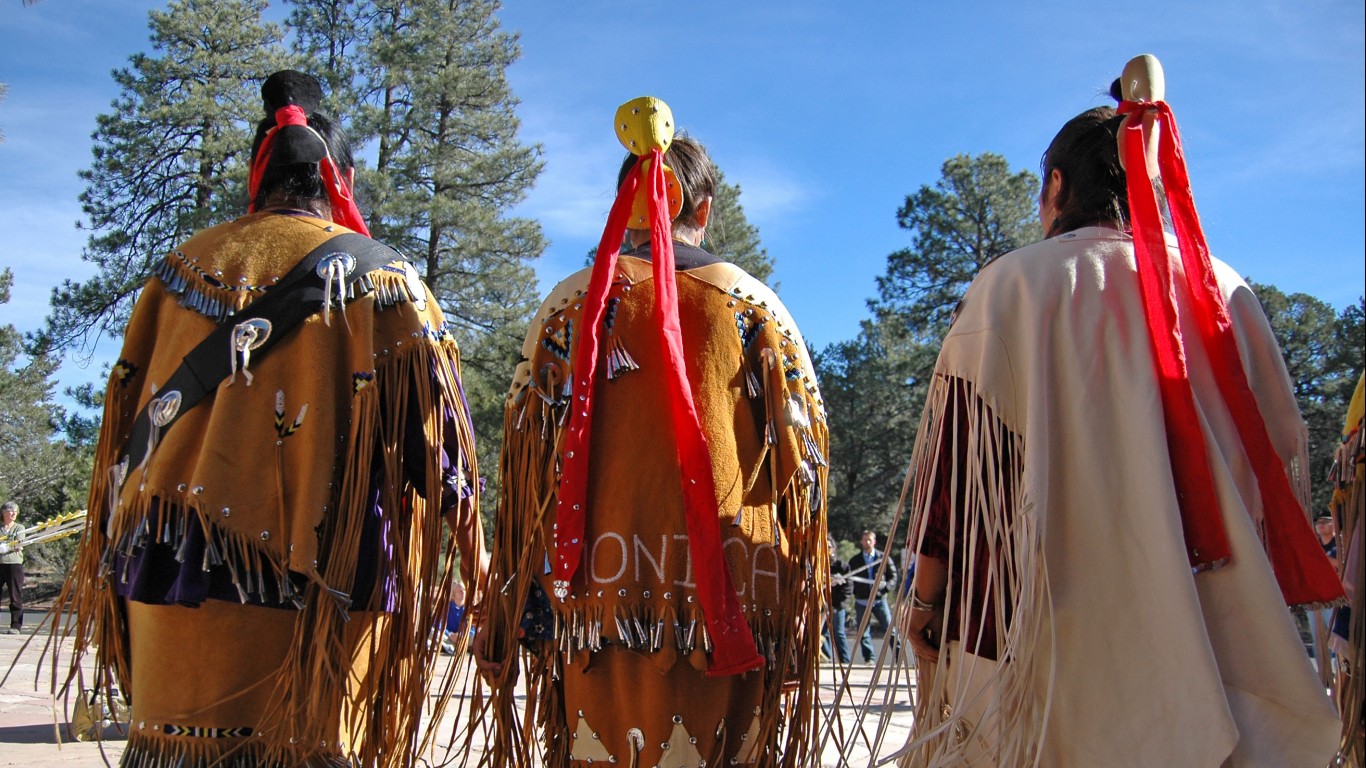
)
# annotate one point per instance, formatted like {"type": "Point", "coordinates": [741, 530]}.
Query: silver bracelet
{"type": "Point", "coordinates": [920, 605]}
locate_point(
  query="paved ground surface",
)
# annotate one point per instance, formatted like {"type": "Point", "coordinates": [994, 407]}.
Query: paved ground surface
{"type": "Point", "coordinates": [30, 723]}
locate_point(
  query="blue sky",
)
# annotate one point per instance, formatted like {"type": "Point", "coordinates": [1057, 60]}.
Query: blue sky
{"type": "Point", "coordinates": [826, 114]}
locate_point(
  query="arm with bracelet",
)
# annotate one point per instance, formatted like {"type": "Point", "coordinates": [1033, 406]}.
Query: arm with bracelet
{"type": "Point", "coordinates": [923, 624]}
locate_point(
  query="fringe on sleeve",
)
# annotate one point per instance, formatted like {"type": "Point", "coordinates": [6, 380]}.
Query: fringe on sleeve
{"type": "Point", "coordinates": [87, 613]}
{"type": "Point", "coordinates": [968, 494]}
{"type": "Point", "coordinates": [799, 473]}
{"type": "Point", "coordinates": [1348, 478]}
{"type": "Point", "coordinates": [378, 684]}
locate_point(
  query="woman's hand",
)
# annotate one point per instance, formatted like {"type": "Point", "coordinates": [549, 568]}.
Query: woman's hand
{"type": "Point", "coordinates": [490, 669]}
{"type": "Point", "coordinates": [924, 630]}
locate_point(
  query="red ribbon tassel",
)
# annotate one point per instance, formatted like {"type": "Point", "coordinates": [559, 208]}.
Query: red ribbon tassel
{"type": "Point", "coordinates": [344, 210]}
{"type": "Point", "coordinates": [1302, 570]}
{"type": "Point", "coordinates": [1206, 540]}
{"type": "Point", "coordinates": [573, 491]}
{"type": "Point", "coordinates": [733, 648]}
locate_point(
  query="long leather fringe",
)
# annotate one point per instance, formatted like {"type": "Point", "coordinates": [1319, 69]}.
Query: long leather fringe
{"type": "Point", "coordinates": [1349, 503]}
{"type": "Point", "coordinates": [152, 751]}
{"type": "Point", "coordinates": [955, 721]}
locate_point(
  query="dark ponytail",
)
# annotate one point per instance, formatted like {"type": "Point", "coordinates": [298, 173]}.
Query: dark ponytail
{"type": "Point", "coordinates": [291, 171]}
{"type": "Point", "coordinates": [1086, 153]}
{"type": "Point", "coordinates": [694, 170]}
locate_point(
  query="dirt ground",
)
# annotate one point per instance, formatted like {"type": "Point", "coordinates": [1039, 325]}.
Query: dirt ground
{"type": "Point", "coordinates": [33, 729]}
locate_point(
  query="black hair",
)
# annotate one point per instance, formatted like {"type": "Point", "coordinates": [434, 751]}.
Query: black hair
{"type": "Point", "coordinates": [1086, 153]}
{"type": "Point", "coordinates": [1117, 91]}
{"type": "Point", "coordinates": [693, 168]}
{"type": "Point", "coordinates": [292, 169]}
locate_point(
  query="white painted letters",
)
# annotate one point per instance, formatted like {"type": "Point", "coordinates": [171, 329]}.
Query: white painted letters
{"type": "Point", "coordinates": [643, 553]}
{"type": "Point", "coordinates": [593, 562]}
{"type": "Point", "coordinates": [612, 559]}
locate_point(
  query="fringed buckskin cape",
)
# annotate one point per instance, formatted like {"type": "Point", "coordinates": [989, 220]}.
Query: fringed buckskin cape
{"type": "Point", "coordinates": [1043, 432]}
{"type": "Point", "coordinates": [1348, 628]}
{"type": "Point", "coordinates": [315, 494]}
{"type": "Point", "coordinates": [616, 672]}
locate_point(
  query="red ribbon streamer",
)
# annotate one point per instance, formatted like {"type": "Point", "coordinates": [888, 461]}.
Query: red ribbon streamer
{"type": "Point", "coordinates": [1206, 540]}
{"type": "Point", "coordinates": [733, 648]}
{"type": "Point", "coordinates": [1302, 570]}
{"type": "Point", "coordinates": [344, 210]}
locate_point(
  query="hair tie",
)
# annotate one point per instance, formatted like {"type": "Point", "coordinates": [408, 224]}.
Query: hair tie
{"type": "Point", "coordinates": [288, 115]}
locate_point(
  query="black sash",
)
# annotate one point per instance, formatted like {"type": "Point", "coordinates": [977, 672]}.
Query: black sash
{"type": "Point", "coordinates": [299, 294]}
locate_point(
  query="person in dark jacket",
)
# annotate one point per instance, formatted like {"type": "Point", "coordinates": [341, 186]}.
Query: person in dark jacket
{"type": "Point", "coordinates": [870, 592]}
{"type": "Point", "coordinates": [839, 609]}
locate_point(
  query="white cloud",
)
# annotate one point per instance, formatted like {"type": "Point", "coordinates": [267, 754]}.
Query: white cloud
{"type": "Point", "coordinates": [42, 248]}
{"type": "Point", "coordinates": [574, 191]}
{"type": "Point", "coordinates": [770, 195]}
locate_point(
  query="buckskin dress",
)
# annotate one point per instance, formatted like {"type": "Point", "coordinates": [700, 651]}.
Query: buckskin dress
{"type": "Point", "coordinates": [617, 669]}
{"type": "Point", "coordinates": [268, 587]}
{"type": "Point", "coordinates": [1077, 632]}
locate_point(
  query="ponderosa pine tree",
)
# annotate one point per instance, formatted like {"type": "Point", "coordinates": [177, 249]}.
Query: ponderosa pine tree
{"type": "Point", "coordinates": [978, 210]}
{"type": "Point", "coordinates": [448, 168]}
{"type": "Point", "coordinates": [37, 469]}
{"type": "Point", "coordinates": [1323, 352]}
{"type": "Point", "coordinates": [169, 158]}
{"type": "Point", "coordinates": [872, 401]}
{"type": "Point", "coordinates": [449, 163]}
{"type": "Point", "coordinates": [330, 38]}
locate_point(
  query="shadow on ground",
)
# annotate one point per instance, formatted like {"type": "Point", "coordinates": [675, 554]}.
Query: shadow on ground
{"type": "Point", "coordinates": [46, 733]}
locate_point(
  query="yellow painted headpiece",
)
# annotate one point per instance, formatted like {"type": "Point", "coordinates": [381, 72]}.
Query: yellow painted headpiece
{"type": "Point", "coordinates": [644, 125]}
